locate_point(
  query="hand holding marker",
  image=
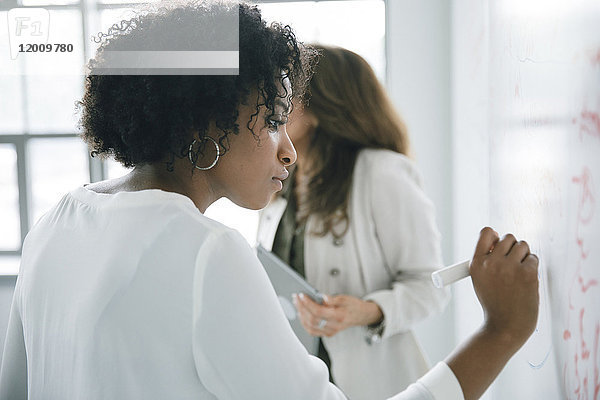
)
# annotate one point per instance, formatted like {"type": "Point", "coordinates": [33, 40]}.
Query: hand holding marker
{"type": "Point", "coordinates": [448, 275]}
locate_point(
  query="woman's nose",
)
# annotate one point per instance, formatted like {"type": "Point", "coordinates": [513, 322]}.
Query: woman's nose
{"type": "Point", "coordinates": [287, 152]}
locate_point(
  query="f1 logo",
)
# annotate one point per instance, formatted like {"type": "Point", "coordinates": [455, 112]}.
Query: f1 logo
{"type": "Point", "coordinates": [27, 26]}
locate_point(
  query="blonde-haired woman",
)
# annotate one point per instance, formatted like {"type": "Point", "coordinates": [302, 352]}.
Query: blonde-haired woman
{"type": "Point", "coordinates": [354, 220]}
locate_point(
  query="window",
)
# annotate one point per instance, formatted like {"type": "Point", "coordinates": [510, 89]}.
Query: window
{"type": "Point", "coordinates": [41, 155]}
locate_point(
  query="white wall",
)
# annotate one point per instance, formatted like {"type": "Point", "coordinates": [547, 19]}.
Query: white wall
{"type": "Point", "coordinates": [418, 80]}
{"type": "Point", "coordinates": [469, 47]}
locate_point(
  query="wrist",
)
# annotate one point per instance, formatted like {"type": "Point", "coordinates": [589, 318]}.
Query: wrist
{"type": "Point", "coordinates": [504, 338]}
{"type": "Point", "coordinates": [373, 315]}
{"type": "Point", "coordinates": [375, 325]}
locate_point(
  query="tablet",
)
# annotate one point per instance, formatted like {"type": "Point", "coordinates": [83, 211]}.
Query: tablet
{"type": "Point", "coordinates": [286, 282]}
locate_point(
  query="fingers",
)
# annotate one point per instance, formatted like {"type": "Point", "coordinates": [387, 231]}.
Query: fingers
{"type": "Point", "coordinates": [504, 246]}
{"type": "Point", "coordinates": [531, 263]}
{"type": "Point", "coordinates": [491, 250]}
{"type": "Point", "coordinates": [510, 247]}
{"type": "Point", "coordinates": [487, 240]}
{"type": "Point", "coordinates": [316, 326]}
{"type": "Point", "coordinates": [334, 301]}
{"type": "Point", "coordinates": [318, 310]}
{"type": "Point", "coordinates": [519, 251]}
{"type": "Point", "coordinates": [531, 260]}
{"type": "Point", "coordinates": [316, 319]}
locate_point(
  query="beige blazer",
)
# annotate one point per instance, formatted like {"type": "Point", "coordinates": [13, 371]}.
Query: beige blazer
{"type": "Point", "coordinates": [392, 230]}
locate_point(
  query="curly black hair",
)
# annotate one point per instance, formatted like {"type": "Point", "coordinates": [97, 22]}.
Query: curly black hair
{"type": "Point", "coordinates": [142, 119]}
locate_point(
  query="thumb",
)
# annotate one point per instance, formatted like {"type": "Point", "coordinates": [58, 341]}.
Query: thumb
{"type": "Point", "coordinates": [329, 300]}
{"type": "Point", "coordinates": [338, 300]}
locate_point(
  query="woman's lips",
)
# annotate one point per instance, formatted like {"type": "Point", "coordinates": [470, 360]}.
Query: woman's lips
{"type": "Point", "coordinates": [283, 176]}
{"type": "Point", "coordinates": [278, 182]}
{"type": "Point", "coordinates": [279, 178]}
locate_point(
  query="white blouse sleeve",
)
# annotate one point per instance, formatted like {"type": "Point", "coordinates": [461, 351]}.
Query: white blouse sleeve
{"type": "Point", "coordinates": [243, 345]}
{"type": "Point", "coordinates": [13, 374]}
{"type": "Point", "coordinates": [406, 229]}
{"type": "Point", "coordinates": [439, 383]}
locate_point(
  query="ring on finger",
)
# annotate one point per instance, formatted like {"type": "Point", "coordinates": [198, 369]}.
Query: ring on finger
{"type": "Point", "coordinates": [322, 324]}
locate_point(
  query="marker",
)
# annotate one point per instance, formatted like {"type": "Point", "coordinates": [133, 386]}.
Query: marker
{"type": "Point", "coordinates": [451, 274]}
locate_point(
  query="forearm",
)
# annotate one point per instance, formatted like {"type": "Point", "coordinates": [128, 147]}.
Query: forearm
{"type": "Point", "coordinates": [479, 361]}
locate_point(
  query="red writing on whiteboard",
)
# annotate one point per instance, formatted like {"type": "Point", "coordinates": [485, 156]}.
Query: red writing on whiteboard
{"type": "Point", "coordinates": [596, 363]}
{"type": "Point", "coordinates": [581, 375]}
{"type": "Point", "coordinates": [589, 123]}
{"type": "Point", "coordinates": [586, 206]}
{"type": "Point", "coordinates": [596, 58]}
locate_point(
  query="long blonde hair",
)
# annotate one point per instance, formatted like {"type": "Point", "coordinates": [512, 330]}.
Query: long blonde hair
{"type": "Point", "coordinates": [353, 112]}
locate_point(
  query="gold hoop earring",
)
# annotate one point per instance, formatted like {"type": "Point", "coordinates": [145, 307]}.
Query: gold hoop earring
{"type": "Point", "coordinates": [190, 151]}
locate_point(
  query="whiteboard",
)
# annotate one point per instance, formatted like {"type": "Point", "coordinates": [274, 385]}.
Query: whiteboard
{"type": "Point", "coordinates": [532, 78]}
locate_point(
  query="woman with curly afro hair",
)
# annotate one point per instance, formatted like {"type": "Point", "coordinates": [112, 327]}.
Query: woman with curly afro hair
{"type": "Point", "coordinates": [127, 291]}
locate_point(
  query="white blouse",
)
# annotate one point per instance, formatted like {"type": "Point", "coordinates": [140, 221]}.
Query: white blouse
{"type": "Point", "coordinates": [137, 295]}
